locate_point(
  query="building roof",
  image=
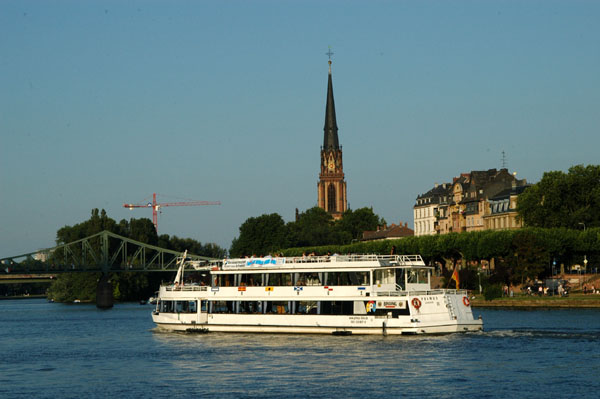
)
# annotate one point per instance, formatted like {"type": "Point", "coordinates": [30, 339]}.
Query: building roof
{"type": "Point", "coordinates": [436, 194]}
{"type": "Point", "coordinates": [505, 194]}
{"type": "Point", "coordinates": [330, 139]}
{"type": "Point", "coordinates": [387, 233]}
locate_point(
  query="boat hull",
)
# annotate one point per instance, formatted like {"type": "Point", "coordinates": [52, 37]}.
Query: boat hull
{"type": "Point", "coordinates": [274, 329]}
{"type": "Point", "coordinates": [419, 323]}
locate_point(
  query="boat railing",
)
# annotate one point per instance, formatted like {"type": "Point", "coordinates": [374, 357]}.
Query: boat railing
{"type": "Point", "coordinates": [438, 291]}
{"type": "Point", "coordinates": [191, 287]}
{"type": "Point", "coordinates": [385, 260]}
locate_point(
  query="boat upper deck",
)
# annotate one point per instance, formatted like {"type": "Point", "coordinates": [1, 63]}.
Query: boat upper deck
{"type": "Point", "coordinates": [314, 262]}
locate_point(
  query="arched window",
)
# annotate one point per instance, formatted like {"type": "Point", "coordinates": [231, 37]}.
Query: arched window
{"type": "Point", "coordinates": [331, 198]}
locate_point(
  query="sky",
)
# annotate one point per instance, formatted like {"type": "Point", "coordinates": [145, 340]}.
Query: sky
{"type": "Point", "coordinates": [106, 102]}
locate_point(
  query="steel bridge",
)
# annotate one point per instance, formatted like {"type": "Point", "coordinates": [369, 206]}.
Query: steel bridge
{"type": "Point", "coordinates": [104, 252]}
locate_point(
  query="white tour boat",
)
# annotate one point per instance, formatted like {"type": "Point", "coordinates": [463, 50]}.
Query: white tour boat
{"type": "Point", "coordinates": [339, 294]}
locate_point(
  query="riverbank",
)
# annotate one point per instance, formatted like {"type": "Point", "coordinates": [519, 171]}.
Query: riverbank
{"type": "Point", "coordinates": [36, 296]}
{"type": "Point", "coordinates": [528, 301]}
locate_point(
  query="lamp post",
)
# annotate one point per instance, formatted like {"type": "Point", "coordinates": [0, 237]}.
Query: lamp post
{"type": "Point", "coordinates": [585, 261]}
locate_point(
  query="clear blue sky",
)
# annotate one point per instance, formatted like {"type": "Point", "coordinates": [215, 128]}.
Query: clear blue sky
{"type": "Point", "coordinates": [106, 102]}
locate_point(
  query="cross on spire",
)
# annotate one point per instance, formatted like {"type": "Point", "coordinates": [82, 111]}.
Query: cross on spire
{"type": "Point", "coordinates": [329, 53]}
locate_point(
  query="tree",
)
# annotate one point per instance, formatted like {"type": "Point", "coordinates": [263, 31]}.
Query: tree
{"type": "Point", "coordinates": [356, 222]}
{"type": "Point", "coordinates": [529, 256]}
{"type": "Point", "coordinates": [314, 227]}
{"type": "Point", "coordinates": [99, 221]}
{"type": "Point", "coordinates": [260, 236]}
{"type": "Point", "coordinates": [570, 200]}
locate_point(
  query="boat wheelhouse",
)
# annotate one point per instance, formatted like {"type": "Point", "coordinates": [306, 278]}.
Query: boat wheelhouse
{"type": "Point", "coordinates": [339, 294]}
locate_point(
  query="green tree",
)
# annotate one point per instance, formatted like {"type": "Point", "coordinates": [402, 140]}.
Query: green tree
{"type": "Point", "coordinates": [260, 236]}
{"type": "Point", "coordinates": [356, 222]}
{"type": "Point", "coordinates": [99, 221]}
{"type": "Point", "coordinates": [142, 230]}
{"type": "Point", "coordinates": [70, 286]}
{"type": "Point", "coordinates": [570, 200]}
{"type": "Point", "coordinates": [314, 227]}
{"type": "Point", "coordinates": [529, 258]}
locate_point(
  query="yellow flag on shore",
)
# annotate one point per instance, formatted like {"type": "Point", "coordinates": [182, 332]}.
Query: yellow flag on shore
{"type": "Point", "coordinates": [455, 278]}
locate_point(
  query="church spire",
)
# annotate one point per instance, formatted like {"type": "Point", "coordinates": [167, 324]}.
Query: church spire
{"type": "Point", "coordinates": [331, 188]}
{"type": "Point", "coordinates": [330, 139]}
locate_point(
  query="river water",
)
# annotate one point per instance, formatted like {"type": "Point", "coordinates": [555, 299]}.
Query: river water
{"type": "Point", "coordinates": [51, 350]}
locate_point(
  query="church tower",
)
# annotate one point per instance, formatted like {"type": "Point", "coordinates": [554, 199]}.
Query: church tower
{"type": "Point", "coordinates": [331, 186]}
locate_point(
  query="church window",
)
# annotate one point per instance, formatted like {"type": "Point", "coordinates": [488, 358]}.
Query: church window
{"type": "Point", "coordinates": [331, 198]}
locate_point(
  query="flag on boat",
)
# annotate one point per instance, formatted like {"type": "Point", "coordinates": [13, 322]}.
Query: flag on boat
{"type": "Point", "coordinates": [455, 278]}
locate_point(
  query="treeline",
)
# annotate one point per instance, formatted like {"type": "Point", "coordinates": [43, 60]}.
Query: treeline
{"type": "Point", "coordinates": [570, 200]}
{"type": "Point", "coordinates": [516, 255]}
{"type": "Point", "coordinates": [268, 234]}
{"type": "Point", "coordinates": [137, 229]}
{"type": "Point", "coordinates": [127, 286]}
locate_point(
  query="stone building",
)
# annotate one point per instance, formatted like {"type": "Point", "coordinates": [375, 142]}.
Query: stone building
{"type": "Point", "coordinates": [428, 207]}
{"type": "Point", "coordinates": [466, 204]}
{"type": "Point", "coordinates": [501, 212]}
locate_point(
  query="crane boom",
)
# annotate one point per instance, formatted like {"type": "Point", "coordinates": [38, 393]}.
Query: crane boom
{"type": "Point", "coordinates": [156, 207]}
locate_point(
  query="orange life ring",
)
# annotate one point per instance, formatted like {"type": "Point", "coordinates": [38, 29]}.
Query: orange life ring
{"type": "Point", "coordinates": [466, 301]}
{"type": "Point", "coordinates": [416, 303]}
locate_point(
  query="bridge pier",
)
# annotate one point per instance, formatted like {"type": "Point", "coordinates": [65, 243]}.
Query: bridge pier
{"type": "Point", "coordinates": [104, 292]}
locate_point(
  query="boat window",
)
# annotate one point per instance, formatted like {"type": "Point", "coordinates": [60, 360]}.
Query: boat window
{"type": "Point", "coordinates": [337, 307]}
{"type": "Point", "coordinates": [347, 278]}
{"type": "Point", "coordinates": [167, 306]}
{"type": "Point", "coordinates": [307, 279]}
{"type": "Point", "coordinates": [226, 280]}
{"type": "Point", "coordinates": [221, 306]}
{"type": "Point", "coordinates": [400, 277]}
{"type": "Point", "coordinates": [203, 306]}
{"type": "Point", "coordinates": [277, 307]}
{"type": "Point", "coordinates": [306, 307]}
{"type": "Point", "coordinates": [249, 307]}
{"type": "Point", "coordinates": [185, 306]}
{"type": "Point", "coordinates": [251, 280]}
{"type": "Point", "coordinates": [197, 278]}
{"type": "Point", "coordinates": [279, 279]}
{"type": "Point", "coordinates": [385, 276]}
{"type": "Point", "coordinates": [417, 276]}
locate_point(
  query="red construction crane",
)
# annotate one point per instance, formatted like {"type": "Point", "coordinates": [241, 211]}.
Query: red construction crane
{"type": "Point", "coordinates": [156, 207]}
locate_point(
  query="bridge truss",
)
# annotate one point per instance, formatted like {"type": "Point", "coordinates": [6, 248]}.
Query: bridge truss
{"type": "Point", "coordinates": [102, 252]}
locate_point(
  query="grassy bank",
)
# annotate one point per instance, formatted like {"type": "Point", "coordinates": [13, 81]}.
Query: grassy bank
{"type": "Point", "coordinates": [527, 301]}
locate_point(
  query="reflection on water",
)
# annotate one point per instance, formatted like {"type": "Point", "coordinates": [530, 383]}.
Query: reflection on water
{"type": "Point", "coordinates": [77, 350]}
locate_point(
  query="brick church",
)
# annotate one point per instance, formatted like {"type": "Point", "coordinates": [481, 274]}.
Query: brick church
{"type": "Point", "coordinates": [331, 187]}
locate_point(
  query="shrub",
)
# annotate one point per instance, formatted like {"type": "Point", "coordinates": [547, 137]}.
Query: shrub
{"type": "Point", "coordinates": [492, 292]}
